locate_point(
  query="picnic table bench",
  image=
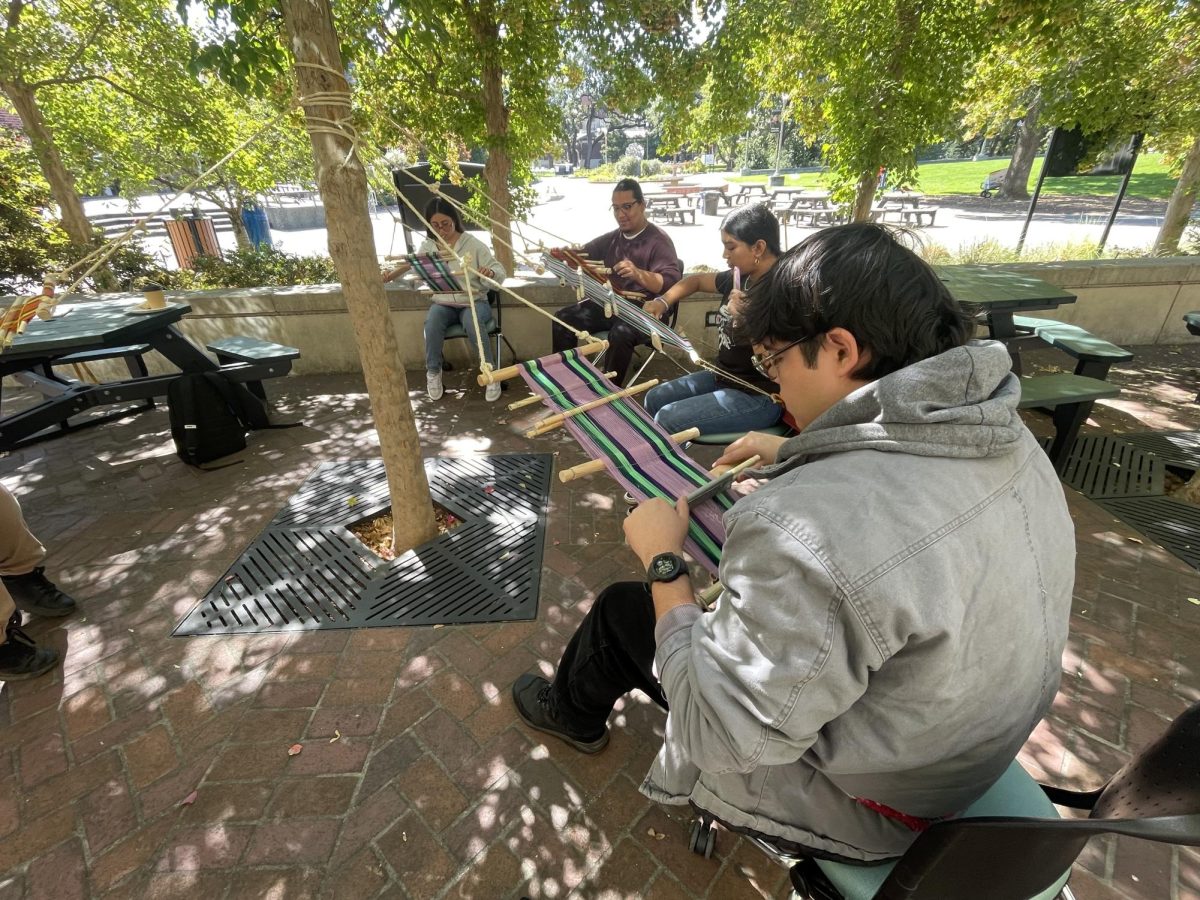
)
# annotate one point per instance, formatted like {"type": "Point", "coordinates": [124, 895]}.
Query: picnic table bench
{"type": "Point", "coordinates": [1095, 356]}
{"type": "Point", "coordinates": [230, 351]}
{"type": "Point", "coordinates": [1068, 399]}
{"type": "Point", "coordinates": [915, 216]}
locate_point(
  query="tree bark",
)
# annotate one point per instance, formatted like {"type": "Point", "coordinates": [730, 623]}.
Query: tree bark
{"type": "Point", "coordinates": [1179, 207]}
{"type": "Point", "coordinates": [864, 197]}
{"type": "Point", "coordinates": [1016, 179]}
{"type": "Point", "coordinates": [498, 168]}
{"type": "Point", "coordinates": [342, 181]}
{"type": "Point", "coordinates": [62, 183]}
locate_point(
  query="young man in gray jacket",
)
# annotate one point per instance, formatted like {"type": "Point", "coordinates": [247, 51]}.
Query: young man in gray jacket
{"type": "Point", "coordinates": [895, 595]}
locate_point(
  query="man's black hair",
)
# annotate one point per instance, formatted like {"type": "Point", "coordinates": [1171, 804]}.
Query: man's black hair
{"type": "Point", "coordinates": [861, 278]}
{"type": "Point", "coordinates": [631, 185]}
{"type": "Point", "coordinates": [751, 223]}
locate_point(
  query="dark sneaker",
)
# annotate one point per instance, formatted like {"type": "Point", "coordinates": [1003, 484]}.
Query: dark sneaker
{"type": "Point", "coordinates": [531, 694]}
{"type": "Point", "coordinates": [21, 658]}
{"type": "Point", "coordinates": [35, 593]}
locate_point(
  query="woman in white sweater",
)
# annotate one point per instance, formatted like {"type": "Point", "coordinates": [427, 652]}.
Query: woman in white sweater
{"type": "Point", "coordinates": [446, 231]}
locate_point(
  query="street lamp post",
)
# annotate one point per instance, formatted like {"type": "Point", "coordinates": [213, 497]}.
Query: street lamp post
{"type": "Point", "coordinates": [776, 180]}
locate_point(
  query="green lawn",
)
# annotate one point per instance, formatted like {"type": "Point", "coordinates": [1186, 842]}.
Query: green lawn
{"type": "Point", "coordinates": [1151, 179]}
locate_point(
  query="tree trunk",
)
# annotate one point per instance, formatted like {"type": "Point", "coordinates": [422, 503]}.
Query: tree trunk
{"type": "Point", "coordinates": [342, 181]}
{"type": "Point", "coordinates": [498, 167]}
{"type": "Point", "coordinates": [1179, 207]}
{"type": "Point", "coordinates": [864, 197]}
{"type": "Point", "coordinates": [1016, 179]}
{"type": "Point", "coordinates": [62, 183]}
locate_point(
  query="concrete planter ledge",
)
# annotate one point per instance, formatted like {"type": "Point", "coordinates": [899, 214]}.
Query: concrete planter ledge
{"type": "Point", "coordinates": [1128, 302]}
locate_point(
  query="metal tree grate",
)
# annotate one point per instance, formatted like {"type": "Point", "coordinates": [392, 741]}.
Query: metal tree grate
{"type": "Point", "coordinates": [1177, 448]}
{"type": "Point", "coordinates": [307, 571]}
{"type": "Point", "coordinates": [1101, 466]}
{"type": "Point", "coordinates": [1173, 524]}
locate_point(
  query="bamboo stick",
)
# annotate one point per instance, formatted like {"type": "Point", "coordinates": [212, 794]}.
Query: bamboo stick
{"type": "Point", "coordinates": [556, 420]}
{"type": "Point", "coordinates": [486, 378]}
{"type": "Point", "coordinates": [597, 465]}
{"type": "Point", "coordinates": [706, 597]}
{"type": "Point", "coordinates": [530, 401]}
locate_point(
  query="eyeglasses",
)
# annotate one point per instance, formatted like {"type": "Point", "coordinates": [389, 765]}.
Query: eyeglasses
{"type": "Point", "coordinates": [624, 207]}
{"type": "Point", "coordinates": [764, 365]}
{"type": "Point", "coordinates": [442, 224]}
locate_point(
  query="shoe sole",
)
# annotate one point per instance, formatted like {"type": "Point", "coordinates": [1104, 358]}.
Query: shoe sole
{"type": "Point", "coordinates": [593, 747]}
{"type": "Point", "coordinates": [56, 612]}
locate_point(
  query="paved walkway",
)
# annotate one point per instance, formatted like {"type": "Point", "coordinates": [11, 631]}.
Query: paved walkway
{"type": "Point", "coordinates": [153, 766]}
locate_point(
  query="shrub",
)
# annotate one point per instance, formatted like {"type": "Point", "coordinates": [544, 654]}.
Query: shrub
{"type": "Point", "coordinates": [263, 266]}
{"type": "Point", "coordinates": [651, 167]}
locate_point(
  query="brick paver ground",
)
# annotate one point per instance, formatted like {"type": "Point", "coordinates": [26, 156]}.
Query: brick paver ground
{"type": "Point", "coordinates": [415, 780]}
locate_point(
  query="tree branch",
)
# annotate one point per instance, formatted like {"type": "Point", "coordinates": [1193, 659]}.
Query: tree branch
{"type": "Point", "coordinates": [133, 95]}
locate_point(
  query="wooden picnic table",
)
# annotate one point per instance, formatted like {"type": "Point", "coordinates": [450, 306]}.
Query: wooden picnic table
{"type": "Point", "coordinates": [669, 206]}
{"type": "Point", "coordinates": [903, 198]}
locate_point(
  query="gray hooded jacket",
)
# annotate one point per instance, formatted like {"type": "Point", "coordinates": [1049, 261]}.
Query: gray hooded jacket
{"type": "Point", "coordinates": [893, 618]}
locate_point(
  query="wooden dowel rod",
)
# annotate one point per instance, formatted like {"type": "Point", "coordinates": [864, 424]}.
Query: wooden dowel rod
{"type": "Point", "coordinates": [536, 398]}
{"type": "Point", "coordinates": [706, 597]}
{"type": "Point", "coordinates": [597, 465]}
{"type": "Point", "coordinates": [513, 371]}
{"type": "Point", "coordinates": [557, 420]}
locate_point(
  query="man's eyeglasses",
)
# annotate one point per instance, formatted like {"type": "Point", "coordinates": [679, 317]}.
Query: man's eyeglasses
{"type": "Point", "coordinates": [624, 207]}
{"type": "Point", "coordinates": [764, 365]}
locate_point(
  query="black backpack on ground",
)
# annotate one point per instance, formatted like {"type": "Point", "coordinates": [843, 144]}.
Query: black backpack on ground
{"type": "Point", "coordinates": [210, 416]}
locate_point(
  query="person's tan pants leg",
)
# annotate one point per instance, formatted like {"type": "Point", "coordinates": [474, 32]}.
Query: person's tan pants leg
{"type": "Point", "coordinates": [20, 551]}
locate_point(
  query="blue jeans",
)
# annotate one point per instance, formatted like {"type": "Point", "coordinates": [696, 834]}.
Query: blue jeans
{"type": "Point", "coordinates": [440, 317]}
{"type": "Point", "coordinates": [699, 401]}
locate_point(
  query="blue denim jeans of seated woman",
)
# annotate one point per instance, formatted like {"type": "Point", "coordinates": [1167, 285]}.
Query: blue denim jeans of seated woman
{"type": "Point", "coordinates": [699, 400]}
{"type": "Point", "coordinates": [441, 317]}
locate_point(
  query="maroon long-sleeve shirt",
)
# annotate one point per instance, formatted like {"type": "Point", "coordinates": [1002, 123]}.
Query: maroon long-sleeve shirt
{"type": "Point", "coordinates": [651, 250]}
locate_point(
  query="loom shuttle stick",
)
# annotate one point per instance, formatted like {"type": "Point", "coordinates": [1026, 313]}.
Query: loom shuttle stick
{"type": "Point", "coordinates": [514, 371]}
{"type": "Point", "coordinates": [556, 420]}
{"type": "Point", "coordinates": [722, 481]}
{"type": "Point", "coordinates": [596, 466]}
{"type": "Point", "coordinates": [536, 398]}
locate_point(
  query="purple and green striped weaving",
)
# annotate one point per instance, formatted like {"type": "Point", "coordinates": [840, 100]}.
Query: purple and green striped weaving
{"type": "Point", "coordinates": [432, 270]}
{"type": "Point", "coordinates": [637, 452]}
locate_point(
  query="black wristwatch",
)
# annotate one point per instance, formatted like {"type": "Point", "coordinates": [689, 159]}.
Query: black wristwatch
{"type": "Point", "coordinates": [666, 567]}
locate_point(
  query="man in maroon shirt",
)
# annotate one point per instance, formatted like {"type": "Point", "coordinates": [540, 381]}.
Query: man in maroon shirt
{"type": "Point", "coordinates": [644, 265]}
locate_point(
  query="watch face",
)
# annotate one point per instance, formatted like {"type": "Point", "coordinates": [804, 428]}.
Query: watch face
{"type": "Point", "coordinates": [664, 565]}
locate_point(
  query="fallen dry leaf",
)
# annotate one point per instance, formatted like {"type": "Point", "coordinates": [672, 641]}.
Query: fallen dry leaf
{"type": "Point", "coordinates": [1193, 600]}
{"type": "Point", "coordinates": [189, 799]}
{"type": "Point", "coordinates": [295, 749]}
{"type": "Point", "coordinates": [337, 736]}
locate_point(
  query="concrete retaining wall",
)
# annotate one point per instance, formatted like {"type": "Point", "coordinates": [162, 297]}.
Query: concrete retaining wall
{"type": "Point", "coordinates": [1128, 302]}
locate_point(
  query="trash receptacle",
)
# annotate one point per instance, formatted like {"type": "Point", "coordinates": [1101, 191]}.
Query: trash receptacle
{"type": "Point", "coordinates": [258, 229]}
{"type": "Point", "coordinates": [711, 199]}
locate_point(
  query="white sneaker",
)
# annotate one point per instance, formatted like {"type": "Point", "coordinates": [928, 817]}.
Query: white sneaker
{"type": "Point", "coordinates": [433, 385]}
{"type": "Point", "coordinates": [492, 394]}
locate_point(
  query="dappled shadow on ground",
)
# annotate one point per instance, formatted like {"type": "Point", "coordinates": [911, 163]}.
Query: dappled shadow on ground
{"type": "Point", "coordinates": [337, 764]}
